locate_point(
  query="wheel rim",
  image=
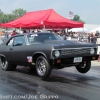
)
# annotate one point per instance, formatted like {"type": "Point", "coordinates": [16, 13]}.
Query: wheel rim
{"type": "Point", "coordinates": [83, 65]}
{"type": "Point", "coordinates": [41, 67]}
{"type": "Point", "coordinates": [3, 63]}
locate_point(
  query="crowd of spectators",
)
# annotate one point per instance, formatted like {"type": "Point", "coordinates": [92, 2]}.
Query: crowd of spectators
{"type": "Point", "coordinates": [74, 36]}
{"type": "Point", "coordinates": [80, 37]}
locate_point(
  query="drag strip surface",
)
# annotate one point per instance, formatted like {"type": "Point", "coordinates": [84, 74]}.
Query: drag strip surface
{"type": "Point", "coordinates": [64, 84]}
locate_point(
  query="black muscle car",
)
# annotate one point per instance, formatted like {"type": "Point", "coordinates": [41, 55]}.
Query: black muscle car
{"type": "Point", "coordinates": [46, 51]}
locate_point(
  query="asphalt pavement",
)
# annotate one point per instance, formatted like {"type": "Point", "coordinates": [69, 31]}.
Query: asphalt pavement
{"type": "Point", "coordinates": [64, 84]}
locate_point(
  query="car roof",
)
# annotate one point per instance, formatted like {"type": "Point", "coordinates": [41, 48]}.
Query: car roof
{"type": "Point", "coordinates": [34, 33]}
{"type": "Point", "coordinates": [26, 34]}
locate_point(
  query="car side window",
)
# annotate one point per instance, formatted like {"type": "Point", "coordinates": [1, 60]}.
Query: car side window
{"type": "Point", "coordinates": [19, 40]}
{"type": "Point", "coordinates": [10, 43]}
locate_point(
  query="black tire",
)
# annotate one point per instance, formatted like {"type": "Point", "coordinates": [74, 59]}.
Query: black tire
{"type": "Point", "coordinates": [43, 68]}
{"type": "Point", "coordinates": [5, 65]}
{"type": "Point", "coordinates": [83, 68]}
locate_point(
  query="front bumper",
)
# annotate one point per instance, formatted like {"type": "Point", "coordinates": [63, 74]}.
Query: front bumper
{"type": "Point", "coordinates": [69, 61]}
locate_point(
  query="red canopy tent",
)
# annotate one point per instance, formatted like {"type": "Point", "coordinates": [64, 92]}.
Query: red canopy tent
{"type": "Point", "coordinates": [48, 18]}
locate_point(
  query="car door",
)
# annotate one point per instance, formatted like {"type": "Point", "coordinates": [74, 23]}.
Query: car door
{"type": "Point", "coordinates": [17, 49]}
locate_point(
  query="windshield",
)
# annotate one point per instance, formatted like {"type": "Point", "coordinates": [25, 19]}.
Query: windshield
{"type": "Point", "coordinates": [42, 37]}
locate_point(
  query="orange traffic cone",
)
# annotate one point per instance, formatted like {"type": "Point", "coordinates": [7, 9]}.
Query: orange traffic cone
{"type": "Point", "coordinates": [99, 57]}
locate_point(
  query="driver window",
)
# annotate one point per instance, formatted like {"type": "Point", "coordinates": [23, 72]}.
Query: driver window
{"type": "Point", "coordinates": [19, 40]}
{"type": "Point", "coordinates": [10, 43]}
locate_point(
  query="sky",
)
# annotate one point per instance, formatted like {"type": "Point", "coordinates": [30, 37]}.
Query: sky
{"type": "Point", "coordinates": [88, 10]}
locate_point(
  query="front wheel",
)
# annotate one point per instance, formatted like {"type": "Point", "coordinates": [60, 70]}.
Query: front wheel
{"type": "Point", "coordinates": [42, 67]}
{"type": "Point", "coordinates": [84, 67]}
{"type": "Point", "coordinates": [5, 65]}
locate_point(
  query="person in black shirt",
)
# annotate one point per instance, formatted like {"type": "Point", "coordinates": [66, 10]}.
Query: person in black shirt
{"type": "Point", "coordinates": [92, 38]}
{"type": "Point", "coordinates": [97, 34]}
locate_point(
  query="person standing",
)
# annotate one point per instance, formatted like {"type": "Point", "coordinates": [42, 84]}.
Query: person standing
{"type": "Point", "coordinates": [14, 33]}
{"type": "Point", "coordinates": [92, 38]}
{"type": "Point", "coordinates": [84, 38]}
{"type": "Point", "coordinates": [97, 35]}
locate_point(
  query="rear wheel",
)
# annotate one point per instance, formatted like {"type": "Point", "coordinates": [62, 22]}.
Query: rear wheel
{"type": "Point", "coordinates": [5, 65]}
{"type": "Point", "coordinates": [84, 67]}
{"type": "Point", "coordinates": [42, 67]}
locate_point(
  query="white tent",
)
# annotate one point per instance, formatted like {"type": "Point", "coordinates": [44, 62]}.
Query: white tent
{"type": "Point", "coordinates": [79, 30]}
{"type": "Point", "coordinates": [96, 29]}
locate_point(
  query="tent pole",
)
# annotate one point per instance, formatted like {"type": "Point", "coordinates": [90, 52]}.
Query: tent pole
{"type": "Point", "coordinates": [67, 30]}
{"type": "Point", "coordinates": [83, 29]}
{"type": "Point", "coordinates": [44, 28]}
{"type": "Point", "coordinates": [20, 29]}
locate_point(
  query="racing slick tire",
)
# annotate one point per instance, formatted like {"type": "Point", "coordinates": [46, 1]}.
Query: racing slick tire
{"type": "Point", "coordinates": [84, 67]}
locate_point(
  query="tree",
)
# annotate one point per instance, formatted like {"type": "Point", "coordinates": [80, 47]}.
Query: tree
{"type": "Point", "coordinates": [18, 12]}
{"type": "Point", "coordinates": [4, 18]}
{"type": "Point", "coordinates": [77, 18]}
{"type": "Point", "coordinates": [1, 12]}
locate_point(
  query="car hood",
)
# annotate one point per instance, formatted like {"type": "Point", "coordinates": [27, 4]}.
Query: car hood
{"type": "Point", "coordinates": [69, 44]}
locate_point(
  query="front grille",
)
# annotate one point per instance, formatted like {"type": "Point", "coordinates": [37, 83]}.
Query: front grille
{"type": "Point", "coordinates": [75, 51]}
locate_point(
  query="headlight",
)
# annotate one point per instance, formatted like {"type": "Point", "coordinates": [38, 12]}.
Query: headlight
{"type": "Point", "coordinates": [92, 51]}
{"type": "Point", "coordinates": [56, 53]}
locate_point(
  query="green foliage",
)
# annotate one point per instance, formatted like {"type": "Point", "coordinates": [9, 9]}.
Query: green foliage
{"type": "Point", "coordinates": [4, 18]}
{"type": "Point", "coordinates": [77, 18]}
{"type": "Point", "coordinates": [19, 12]}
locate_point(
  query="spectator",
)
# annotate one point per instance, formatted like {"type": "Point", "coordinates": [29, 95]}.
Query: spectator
{"type": "Point", "coordinates": [14, 33]}
{"type": "Point", "coordinates": [84, 38]}
{"type": "Point", "coordinates": [6, 34]}
{"type": "Point", "coordinates": [32, 31]}
{"type": "Point", "coordinates": [97, 34]}
{"type": "Point", "coordinates": [64, 36]}
{"type": "Point", "coordinates": [92, 38]}
{"type": "Point", "coordinates": [24, 31]}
